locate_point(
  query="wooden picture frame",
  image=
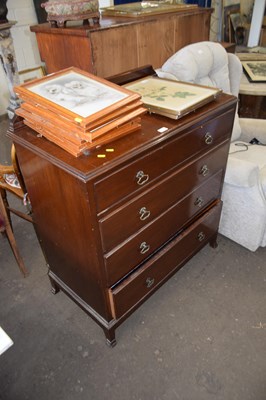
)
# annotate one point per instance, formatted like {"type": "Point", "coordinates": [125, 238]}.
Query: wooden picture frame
{"type": "Point", "coordinates": [31, 74]}
{"type": "Point", "coordinates": [170, 98]}
{"type": "Point", "coordinates": [77, 96]}
{"type": "Point", "coordinates": [255, 70]}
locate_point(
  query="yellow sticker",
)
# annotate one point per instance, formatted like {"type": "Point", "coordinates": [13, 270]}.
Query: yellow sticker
{"type": "Point", "coordinates": [101, 155]}
{"type": "Point", "coordinates": [77, 119]}
{"type": "Point", "coordinates": [110, 150]}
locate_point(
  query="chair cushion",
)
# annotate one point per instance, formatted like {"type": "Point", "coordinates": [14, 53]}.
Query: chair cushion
{"type": "Point", "coordinates": [241, 173]}
{"type": "Point", "coordinates": [12, 180]}
{"type": "Point", "coordinates": [246, 165]}
{"type": "Point", "coordinates": [253, 153]}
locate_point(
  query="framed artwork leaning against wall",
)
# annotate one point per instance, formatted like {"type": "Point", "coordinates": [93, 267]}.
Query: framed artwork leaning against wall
{"type": "Point", "coordinates": [255, 70]}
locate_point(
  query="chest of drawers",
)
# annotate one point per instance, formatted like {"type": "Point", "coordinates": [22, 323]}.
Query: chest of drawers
{"type": "Point", "coordinates": [114, 225]}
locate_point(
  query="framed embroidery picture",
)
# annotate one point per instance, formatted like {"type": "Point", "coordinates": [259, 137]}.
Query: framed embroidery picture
{"type": "Point", "coordinates": [172, 99]}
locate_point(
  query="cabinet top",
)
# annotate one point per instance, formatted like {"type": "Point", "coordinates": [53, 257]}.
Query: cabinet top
{"type": "Point", "coordinates": [78, 29]}
{"type": "Point", "coordinates": [155, 131]}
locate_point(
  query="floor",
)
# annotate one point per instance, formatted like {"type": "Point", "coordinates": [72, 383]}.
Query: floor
{"type": "Point", "coordinates": [202, 336]}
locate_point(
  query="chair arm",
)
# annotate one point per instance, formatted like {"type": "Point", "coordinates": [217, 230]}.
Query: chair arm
{"type": "Point", "coordinates": [6, 169]}
{"type": "Point", "coordinates": [253, 128]}
{"type": "Point", "coordinates": [166, 75]}
{"type": "Point", "coordinates": [263, 180]}
{"type": "Point", "coordinates": [241, 173]}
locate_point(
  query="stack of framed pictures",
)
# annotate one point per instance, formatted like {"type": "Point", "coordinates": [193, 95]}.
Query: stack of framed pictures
{"type": "Point", "coordinates": [79, 111]}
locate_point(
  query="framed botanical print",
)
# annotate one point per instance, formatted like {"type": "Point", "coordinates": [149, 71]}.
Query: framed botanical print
{"type": "Point", "coordinates": [172, 98]}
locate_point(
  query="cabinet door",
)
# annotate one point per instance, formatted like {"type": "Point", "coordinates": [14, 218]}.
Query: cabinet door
{"type": "Point", "coordinates": [114, 50]}
{"type": "Point", "coordinates": [191, 29]}
{"type": "Point", "coordinates": [60, 51]}
{"type": "Point", "coordinates": [156, 42]}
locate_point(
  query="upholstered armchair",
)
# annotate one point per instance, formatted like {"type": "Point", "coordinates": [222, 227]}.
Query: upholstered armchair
{"type": "Point", "coordinates": [243, 217]}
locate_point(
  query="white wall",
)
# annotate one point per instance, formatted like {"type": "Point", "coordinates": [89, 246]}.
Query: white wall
{"type": "Point", "coordinates": [25, 44]}
{"type": "Point", "coordinates": [4, 93]}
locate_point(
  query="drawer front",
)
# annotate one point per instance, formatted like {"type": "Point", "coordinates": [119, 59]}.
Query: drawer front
{"type": "Point", "coordinates": [134, 215]}
{"type": "Point", "coordinates": [137, 176]}
{"type": "Point", "coordinates": [137, 248]}
{"type": "Point", "coordinates": [143, 282]}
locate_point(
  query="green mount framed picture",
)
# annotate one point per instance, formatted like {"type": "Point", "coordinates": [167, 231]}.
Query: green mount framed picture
{"type": "Point", "coordinates": [172, 99]}
{"type": "Point", "coordinates": [255, 70]}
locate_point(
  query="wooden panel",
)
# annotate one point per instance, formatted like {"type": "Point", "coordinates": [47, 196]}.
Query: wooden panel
{"type": "Point", "coordinates": [191, 29]}
{"type": "Point", "coordinates": [60, 51]}
{"type": "Point", "coordinates": [59, 214]}
{"type": "Point", "coordinates": [114, 50]}
{"type": "Point", "coordinates": [161, 31]}
{"type": "Point", "coordinates": [252, 106]}
{"type": "Point", "coordinates": [172, 257]}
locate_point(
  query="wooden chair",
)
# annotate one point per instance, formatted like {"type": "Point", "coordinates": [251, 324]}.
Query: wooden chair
{"type": "Point", "coordinates": [6, 209]}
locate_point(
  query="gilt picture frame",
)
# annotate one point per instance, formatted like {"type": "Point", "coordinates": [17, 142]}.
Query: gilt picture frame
{"type": "Point", "coordinates": [30, 74]}
{"type": "Point", "coordinates": [255, 70]}
{"type": "Point", "coordinates": [76, 95]}
{"type": "Point", "coordinates": [170, 98]}
{"type": "Point", "coordinates": [145, 8]}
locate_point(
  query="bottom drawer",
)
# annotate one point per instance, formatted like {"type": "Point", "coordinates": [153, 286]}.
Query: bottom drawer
{"type": "Point", "coordinates": [146, 279]}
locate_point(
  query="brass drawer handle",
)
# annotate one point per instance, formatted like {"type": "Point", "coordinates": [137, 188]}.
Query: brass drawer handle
{"type": "Point", "coordinates": [144, 247]}
{"type": "Point", "coordinates": [142, 178]}
{"type": "Point", "coordinates": [201, 236]}
{"type": "Point", "coordinates": [204, 170]}
{"type": "Point", "coordinates": [208, 138]}
{"type": "Point", "coordinates": [149, 282]}
{"type": "Point", "coordinates": [199, 202]}
{"type": "Point", "coordinates": [144, 213]}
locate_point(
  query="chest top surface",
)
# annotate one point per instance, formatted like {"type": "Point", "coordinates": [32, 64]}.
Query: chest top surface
{"type": "Point", "coordinates": [155, 132]}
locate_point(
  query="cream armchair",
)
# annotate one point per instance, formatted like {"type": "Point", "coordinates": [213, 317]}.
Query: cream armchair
{"type": "Point", "coordinates": [243, 217]}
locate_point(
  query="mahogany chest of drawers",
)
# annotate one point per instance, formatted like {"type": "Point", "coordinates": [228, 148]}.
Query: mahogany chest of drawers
{"type": "Point", "coordinates": [115, 224]}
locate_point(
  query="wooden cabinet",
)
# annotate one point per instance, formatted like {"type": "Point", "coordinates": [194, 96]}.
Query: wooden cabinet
{"type": "Point", "coordinates": [120, 44]}
{"type": "Point", "coordinates": [114, 228]}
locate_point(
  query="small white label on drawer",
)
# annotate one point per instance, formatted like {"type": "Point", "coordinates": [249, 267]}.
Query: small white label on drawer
{"type": "Point", "coordinates": [162, 130]}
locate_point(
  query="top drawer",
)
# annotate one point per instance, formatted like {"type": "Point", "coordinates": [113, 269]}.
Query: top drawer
{"type": "Point", "coordinates": [139, 174]}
